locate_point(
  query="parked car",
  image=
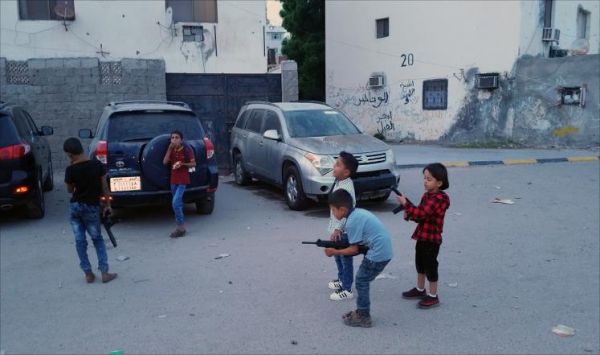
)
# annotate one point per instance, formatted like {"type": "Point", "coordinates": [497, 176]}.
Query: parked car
{"type": "Point", "coordinates": [294, 146]}
{"type": "Point", "coordinates": [25, 161]}
{"type": "Point", "coordinates": [131, 140]}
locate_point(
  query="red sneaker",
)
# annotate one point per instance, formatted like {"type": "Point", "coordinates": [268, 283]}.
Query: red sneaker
{"type": "Point", "coordinates": [429, 302]}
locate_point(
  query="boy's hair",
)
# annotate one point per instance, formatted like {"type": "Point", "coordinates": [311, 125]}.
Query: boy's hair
{"type": "Point", "coordinates": [73, 146]}
{"type": "Point", "coordinates": [439, 172]}
{"type": "Point", "coordinates": [340, 198]}
{"type": "Point", "coordinates": [349, 162]}
{"type": "Point", "coordinates": [177, 132]}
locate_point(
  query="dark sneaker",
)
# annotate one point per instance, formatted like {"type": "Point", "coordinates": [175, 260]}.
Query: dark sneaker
{"type": "Point", "coordinates": [90, 277]}
{"type": "Point", "coordinates": [429, 302]}
{"type": "Point", "coordinates": [107, 277]}
{"type": "Point", "coordinates": [177, 233]}
{"type": "Point", "coordinates": [353, 319]}
{"type": "Point", "coordinates": [414, 293]}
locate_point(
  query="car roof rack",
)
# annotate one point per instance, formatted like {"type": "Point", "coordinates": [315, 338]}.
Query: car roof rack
{"type": "Point", "coordinates": [259, 102]}
{"type": "Point", "coordinates": [178, 103]}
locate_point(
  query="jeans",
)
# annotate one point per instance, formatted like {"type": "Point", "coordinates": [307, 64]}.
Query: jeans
{"type": "Point", "coordinates": [84, 217]}
{"type": "Point", "coordinates": [345, 269]}
{"type": "Point", "coordinates": [367, 272]}
{"type": "Point", "coordinates": [177, 191]}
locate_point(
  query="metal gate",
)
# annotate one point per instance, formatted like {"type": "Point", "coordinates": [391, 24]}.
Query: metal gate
{"type": "Point", "coordinates": [217, 99]}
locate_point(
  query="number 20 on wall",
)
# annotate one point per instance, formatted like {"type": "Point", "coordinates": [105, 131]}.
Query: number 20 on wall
{"type": "Point", "coordinates": [407, 59]}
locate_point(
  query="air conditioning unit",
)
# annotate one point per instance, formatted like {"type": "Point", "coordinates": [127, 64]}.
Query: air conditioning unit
{"type": "Point", "coordinates": [550, 34]}
{"type": "Point", "coordinates": [376, 81]}
{"type": "Point", "coordinates": [487, 81]}
{"type": "Point", "coordinates": [557, 52]}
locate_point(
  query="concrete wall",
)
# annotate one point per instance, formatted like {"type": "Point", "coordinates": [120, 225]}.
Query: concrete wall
{"type": "Point", "coordinates": [142, 30]}
{"type": "Point", "coordinates": [69, 94]}
{"type": "Point", "coordinates": [444, 39]}
{"type": "Point", "coordinates": [527, 108]}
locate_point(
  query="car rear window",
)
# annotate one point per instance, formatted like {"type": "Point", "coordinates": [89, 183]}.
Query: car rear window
{"type": "Point", "coordinates": [318, 123]}
{"type": "Point", "coordinates": [145, 125]}
{"type": "Point", "coordinates": [8, 132]}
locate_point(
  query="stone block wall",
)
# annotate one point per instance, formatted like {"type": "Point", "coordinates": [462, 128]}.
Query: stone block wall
{"type": "Point", "coordinates": [69, 93]}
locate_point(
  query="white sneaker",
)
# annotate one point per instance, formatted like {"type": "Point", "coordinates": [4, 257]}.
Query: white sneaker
{"type": "Point", "coordinates": [335, 285]}
{"type": "Point", "coordinates": [341, 295]}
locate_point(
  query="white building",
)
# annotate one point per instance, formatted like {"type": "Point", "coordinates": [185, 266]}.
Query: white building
{"type": "Point", "coordinates": [404, 68]}
{"type": "Point", "coordinates": [274, 39]}
{"type": "Point", "coordinates": [192, 36]}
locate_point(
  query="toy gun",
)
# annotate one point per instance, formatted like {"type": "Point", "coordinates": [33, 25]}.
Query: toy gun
{"type": "Point", "coordinates": [338, 244]}
{"type": "Point", "coordinates": [108, 222]}
{"type": "Point", "coordinates": [399, 208]}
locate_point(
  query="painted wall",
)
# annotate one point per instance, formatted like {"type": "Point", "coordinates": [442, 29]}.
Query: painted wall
{"type": "Point", "coordinates": [427, 40]}
{"type": "Point", "coordinates": [142, 30]}
{"type": "Point", "coordinates": [455, 41]}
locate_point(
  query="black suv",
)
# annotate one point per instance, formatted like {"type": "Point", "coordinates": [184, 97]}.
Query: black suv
{"type": "Point", "coordinates": [131, 140]}
{"type": "Point", "coordinates": [25, 161]}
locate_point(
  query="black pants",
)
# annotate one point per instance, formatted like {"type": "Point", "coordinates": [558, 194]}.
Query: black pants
{"type": "Point", "coordinates": [426, 259]}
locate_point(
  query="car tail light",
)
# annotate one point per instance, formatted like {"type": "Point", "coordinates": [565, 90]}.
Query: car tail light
{"type": "Point", "coordinates": [21, 189]}
{"type": "Point", "coordinates": [102, 198]}
{"type": "Point", "coordinates": [102, 151]}
{"type": "Point", "coordinates": [210, 148]}
{"type": "Point", "coordinates": [14, 151]}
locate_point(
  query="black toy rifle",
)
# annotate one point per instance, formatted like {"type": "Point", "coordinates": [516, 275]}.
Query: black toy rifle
{"type": "Point", "coordinates": [338, 244]}
{"type": "Point", "coordinates": [108, 222]}
{"type": "Point", "coordinates": [399, 208]}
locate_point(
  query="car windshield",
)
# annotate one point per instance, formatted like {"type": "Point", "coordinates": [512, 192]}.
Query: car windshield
{"type": "Point", "coordinates": [143, 125]}
{"type": "Point", "coordinates": [318, 123]}
{"type": "Point", "coordinates": [8, 133]}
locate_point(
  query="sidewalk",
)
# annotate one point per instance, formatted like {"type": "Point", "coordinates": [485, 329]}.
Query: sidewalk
{"type": "Point", "coordinates": [415, 156]}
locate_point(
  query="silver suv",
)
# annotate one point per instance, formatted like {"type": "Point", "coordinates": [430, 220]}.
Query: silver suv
{"type": "Point", "coordinates": [294, 145]}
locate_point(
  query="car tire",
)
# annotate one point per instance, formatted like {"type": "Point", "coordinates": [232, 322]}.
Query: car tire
{"type": "Point", "coordinates": [382, 198]}
{"type": "Point", "coordinates": [206, 205]}
{"type": "Point", "coordinates": [239, 173]}
{"type": "Point", "coordinates": [293, 191]}
{"type": "Point", "coordinates": [36, 208]}
{"type": "Point", "coordinates": [49, 182]}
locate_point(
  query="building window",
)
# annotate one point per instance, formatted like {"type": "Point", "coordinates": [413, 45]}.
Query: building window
{"type": "Point", "coordinates": [193, 34]}
{"type": "Point", "coordinates": [573, 96]}
{"type": "Point", "coordinates": [583, 23]}
{"type": "Point", "coordinates": [435, 94]}
{"type": "Point", "coordinates": [46, 10]}
{"type": "Point", "coordinates": [383, 27]}
{"type": "Point", "coordinates": [548, 5]}
{"type": "Point", "coordinates": [110, 73]}
{"type": "Point", "coordinates": [275, 36]}
{"type": "Point", "coordinates": [193, 10]}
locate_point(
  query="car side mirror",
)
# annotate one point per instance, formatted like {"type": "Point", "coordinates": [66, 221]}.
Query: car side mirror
{"type": "Point", "coordinates": [85, 133]}
{"type": "Point", "coordinates": [47, 131]}
{"type": "Point", "coordinates": [272, 134]}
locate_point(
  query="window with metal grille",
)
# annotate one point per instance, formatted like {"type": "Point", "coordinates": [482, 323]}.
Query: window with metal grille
{"type": "Point", "coordinates": [46, 10]}
{"type": "Point", "coordinates": [193, 34]}
{"type": "Point", "coordinates": [17, 73]}
{"type": "Point", "coordinates": [435, 94]}
{"type": "Point", "coordinates": [110, 73]}
{"type": "Point", "coordinates": [193, 10]}
{"type": "Point", "coordinates": [583, 20]}
{"type": "Point", "coordinates": [383, 27]}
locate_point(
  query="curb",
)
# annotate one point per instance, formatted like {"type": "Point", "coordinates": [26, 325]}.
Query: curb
{"type": "Point", "coordinates": [464, 164]}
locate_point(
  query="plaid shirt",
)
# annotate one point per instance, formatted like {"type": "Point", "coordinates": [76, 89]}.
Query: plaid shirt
{"type": "Point", "coordinates": [429, 215]}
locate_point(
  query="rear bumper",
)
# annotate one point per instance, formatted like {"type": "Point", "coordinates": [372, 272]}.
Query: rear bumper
{"type": "Point", "coordinates": [150, 198]}
{"type": "Point", "coordinates": [8, 198]}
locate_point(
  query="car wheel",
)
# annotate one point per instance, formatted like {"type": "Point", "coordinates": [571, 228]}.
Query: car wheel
{"type": "Point", "coordinates": [36, 208]}
{"type": "Point", "coordinates": [239, 173]}
{"type": "Point", "coordinates": [206, 205]}
{"type": "Point", "coordinates": [382, 198]}
{"type": "Point", "coordinates": [294, 193]}
{"type": "Point", "coordinates": [49, 182]}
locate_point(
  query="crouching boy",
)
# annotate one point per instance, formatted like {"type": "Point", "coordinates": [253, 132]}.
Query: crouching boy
{"type": "Point", "coordinates": [362, 228]}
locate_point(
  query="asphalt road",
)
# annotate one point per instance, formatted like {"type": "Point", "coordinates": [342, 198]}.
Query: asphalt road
{"type": "Point", "coordinates": [517, 271]}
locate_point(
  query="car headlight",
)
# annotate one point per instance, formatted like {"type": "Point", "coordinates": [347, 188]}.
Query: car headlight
{"type": "Point", "coordinates": [389, 156]}
{"type": "Point", "coordinates": [323, 163]}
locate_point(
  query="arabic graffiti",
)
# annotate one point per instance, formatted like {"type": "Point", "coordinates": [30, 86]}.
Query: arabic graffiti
{"type": "Point", "coordinates": [407, 90]}
{"type": "Point", "coordinates": [385, 123]}
{"type": "Point", "coordinates": [369, 98]}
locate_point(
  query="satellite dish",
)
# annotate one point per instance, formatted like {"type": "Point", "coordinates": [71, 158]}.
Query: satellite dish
{"type": "Point", "coordinates": [168, 17]}
{"type": "Point", "coordinates": [65, 10]}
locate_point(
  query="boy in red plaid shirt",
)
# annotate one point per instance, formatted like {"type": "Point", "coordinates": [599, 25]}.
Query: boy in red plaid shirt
{"type": "Point", "coordinates": [430, 218]}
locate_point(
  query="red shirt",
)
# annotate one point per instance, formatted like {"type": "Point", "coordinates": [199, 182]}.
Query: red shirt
{"type": "Point", "coordinates": [181, 175]}
{"type": "Point", "coordinates": [429, 215]}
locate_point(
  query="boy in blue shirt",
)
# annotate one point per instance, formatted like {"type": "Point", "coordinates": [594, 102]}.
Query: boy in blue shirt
{"type": "Point", "coordinates": [362, 228]}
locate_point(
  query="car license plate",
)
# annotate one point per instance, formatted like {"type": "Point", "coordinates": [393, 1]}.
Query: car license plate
{"type": "Point", "coordinates": [129, 183]}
